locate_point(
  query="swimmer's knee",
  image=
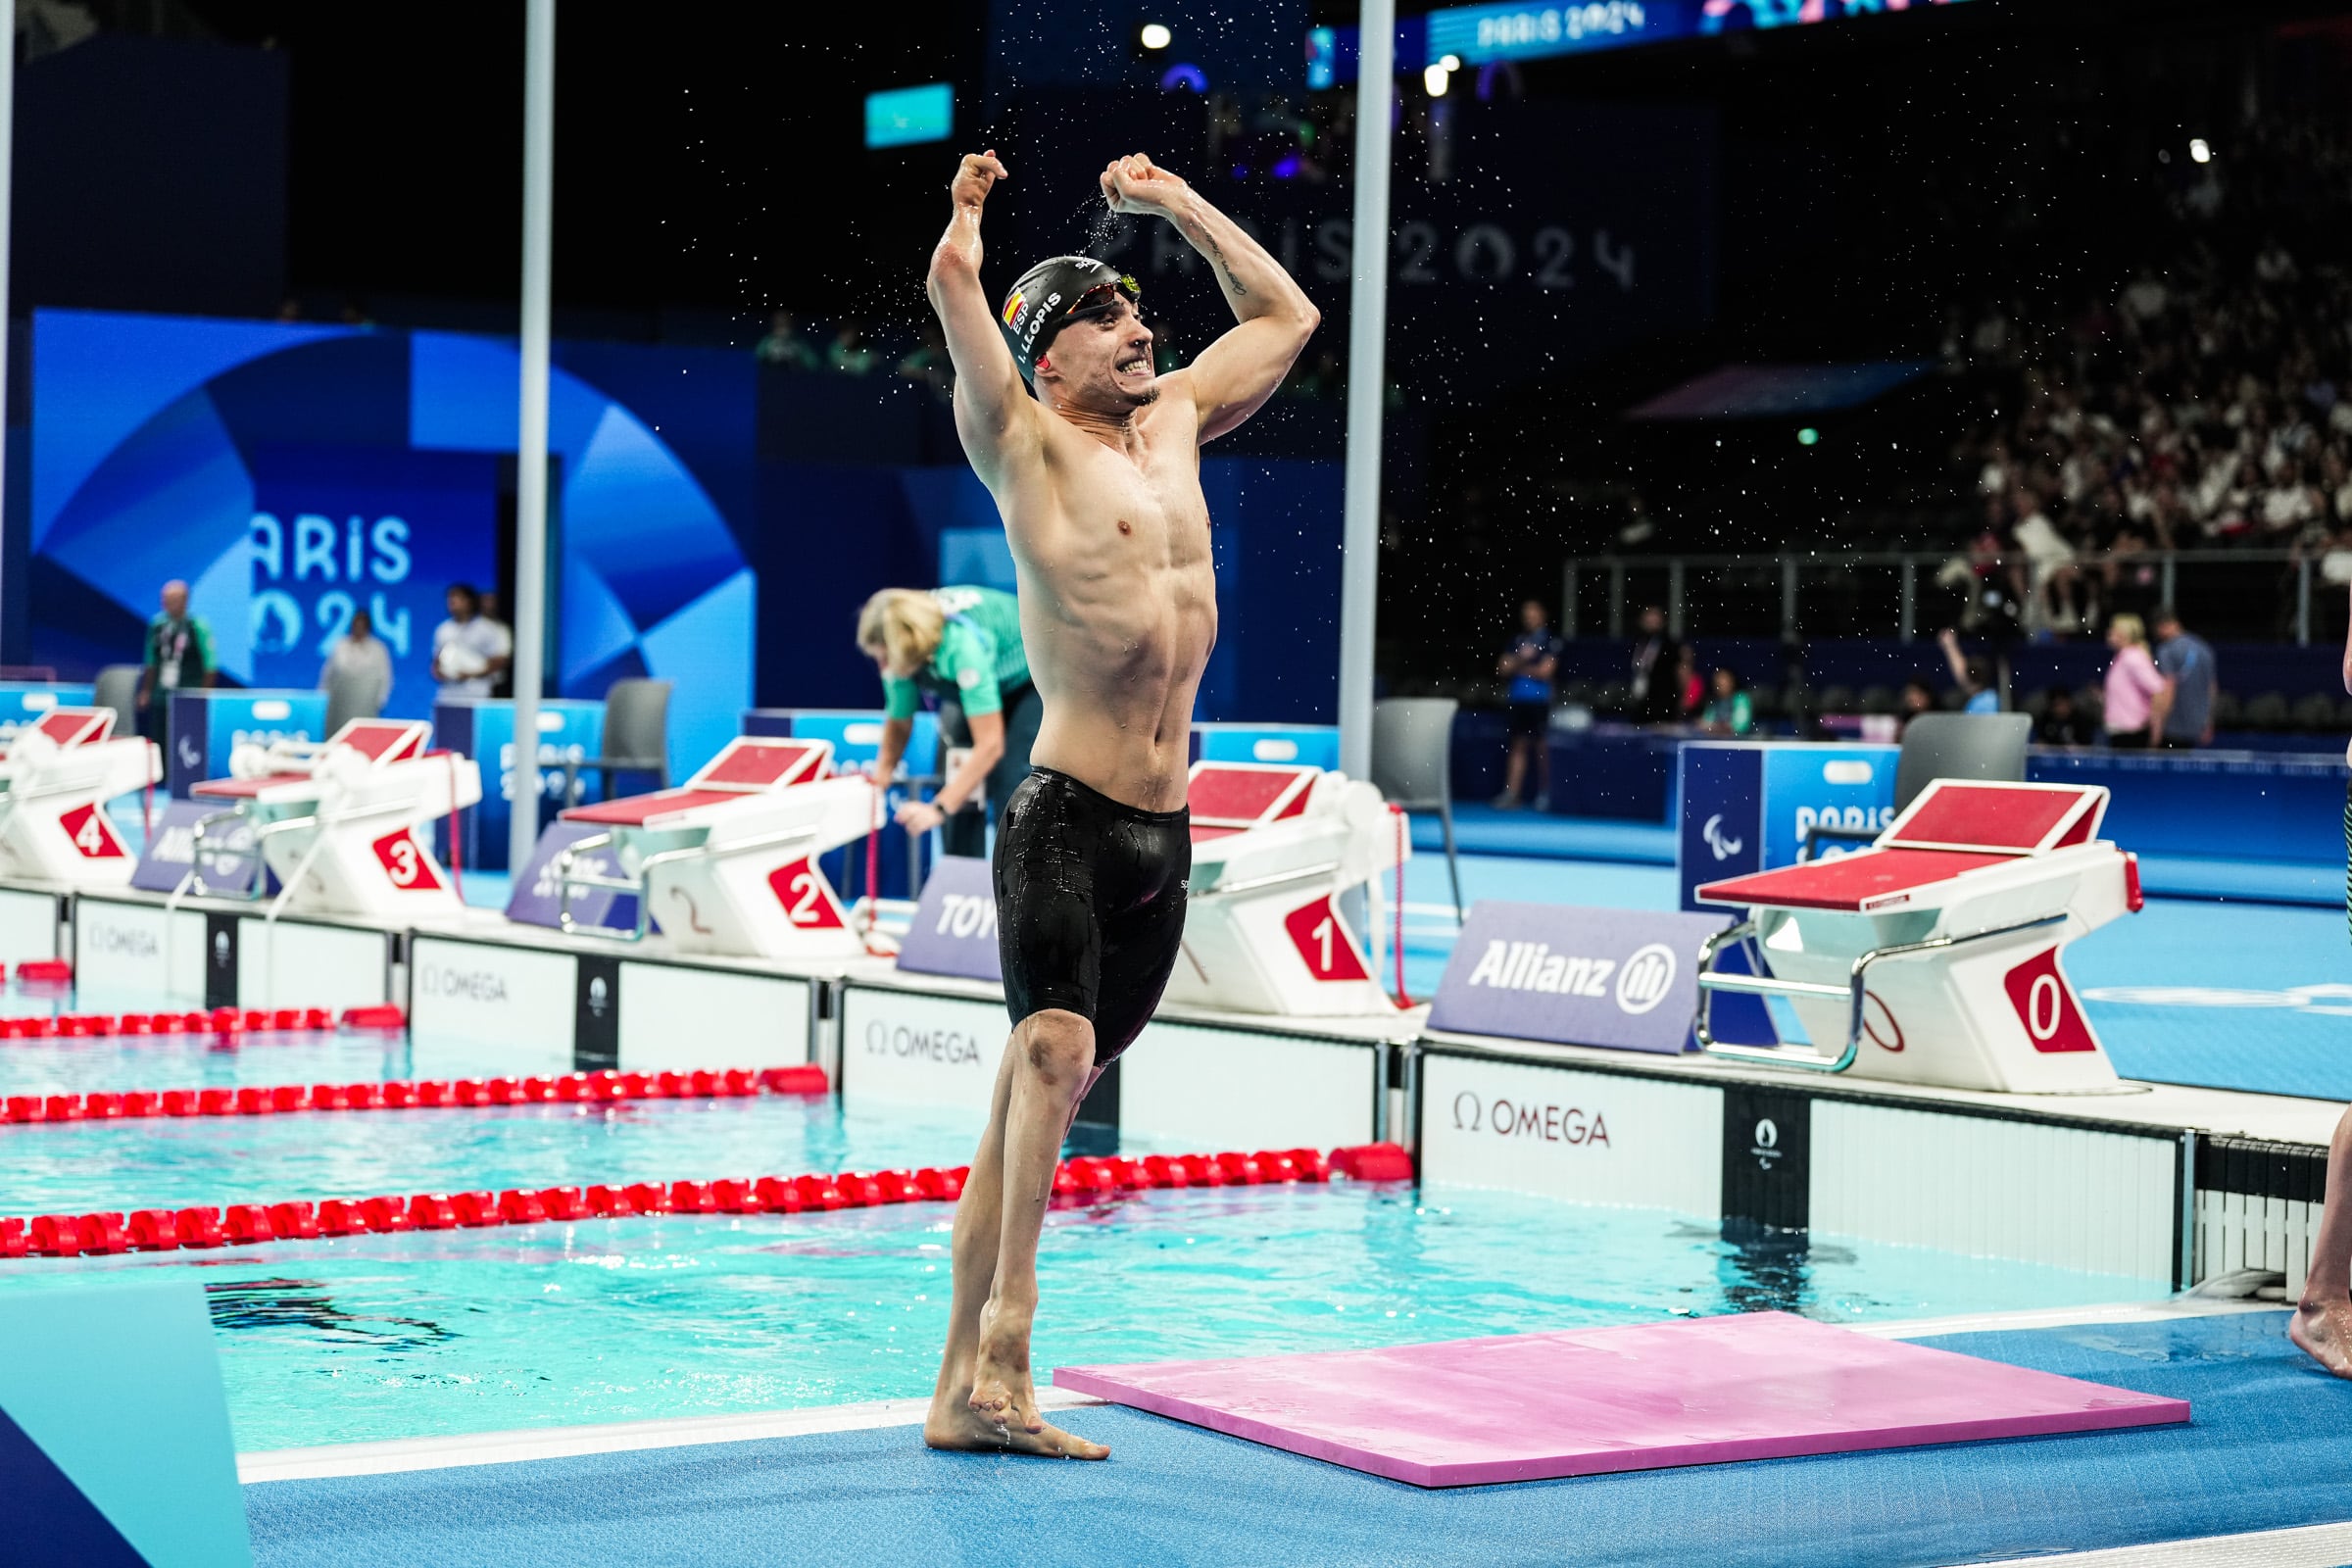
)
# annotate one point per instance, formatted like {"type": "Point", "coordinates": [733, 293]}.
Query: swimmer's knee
{"type": "Point", "coordinates": [1056, 1046]}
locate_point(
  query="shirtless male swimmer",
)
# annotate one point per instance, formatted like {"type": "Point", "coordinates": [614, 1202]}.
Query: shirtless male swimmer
{"type": "Point", "coordinates": [1099, 481]}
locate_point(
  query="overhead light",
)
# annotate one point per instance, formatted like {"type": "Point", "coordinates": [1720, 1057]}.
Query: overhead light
{"type": "Point", "coordinates": [2198, 152]}
{"type": "Point", "coordinates": [1434, 78]}
{"type": "Point", "coordinates": [1451, 61]}
{"type": "Point", "coordinates": [1155, 35]}
{"type": "Point", "coordinates": [1807, 436]}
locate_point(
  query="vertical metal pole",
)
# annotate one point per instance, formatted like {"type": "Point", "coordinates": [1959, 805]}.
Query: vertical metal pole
{"type": "Point", "coordinates": [2165, 591]}
{"type": "Point", "coordinates": [2303, 603]}
{"type": "Point", "coordinates": [530, 479]}
{"type": "Point", "coordinates": [1908, 629]}
{"type": "Point", "coordinates": [1616, 598]}
{"type": "Point", "coordinates": [1367, 380]}
{"type": "Point", "coordinates": [1788, 597]}
{"type": "Point", "coordinates": [1568, 604]}
{"type": "Point", "coordinates": [1674, 597]}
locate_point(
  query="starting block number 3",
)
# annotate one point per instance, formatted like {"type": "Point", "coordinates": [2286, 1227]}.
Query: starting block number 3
{"type": "Point", "coordinates": [404, 863]}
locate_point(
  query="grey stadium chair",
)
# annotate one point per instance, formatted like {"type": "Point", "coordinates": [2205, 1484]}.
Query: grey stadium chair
{"type": "Point", "coordinates": [118, 687]}
{"type": "Point", "coordinates": [1989, 747]}
{"type": "Point", "coordinates": [1412, 765]}
{"type": "Point", "coordinates": [636, 737]}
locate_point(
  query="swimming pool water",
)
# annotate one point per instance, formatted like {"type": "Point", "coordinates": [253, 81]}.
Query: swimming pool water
{"type": "Point", "coordinates": [419, 1334]}
{"type": "Point", "coordinates": [372, 1338]}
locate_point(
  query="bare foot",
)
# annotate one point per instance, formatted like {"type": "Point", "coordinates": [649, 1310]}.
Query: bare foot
{"type": "Point", "coordinates": [1002, 1392]}
{"type": "Point", "coordinates": [957, 1425]}
{"type": "Point", "coordinates": [2325, 1329]}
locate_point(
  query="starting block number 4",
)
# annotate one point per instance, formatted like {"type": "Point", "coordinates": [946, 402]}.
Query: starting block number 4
{"type": "Point", "coordinates": [405, 863]}
{"type": "Point", "coordinates": [807, 902]}
{"type": "Point", "coordinates": [2047, 1006]}
{"type": "Point", "coordinates": [92, 833]}
{"type": "Point", "coordinates": [1324, 942]}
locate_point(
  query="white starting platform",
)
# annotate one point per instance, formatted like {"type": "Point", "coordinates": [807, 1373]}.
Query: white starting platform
{"type": "Point", "coordinates": [1199, 1077]}
{"type": "Point", "coordinates": [56, 781]}
{"type": "Point", "coordinates": [1954, 1095]}
{"type": "Point", "coordinates": [1276, 853]}
{"type": "Point", "coordinates": [336, 822]}
{"type": "Point", "coordinates": [727, 863]}
{"type": "Point", "coordinates": [1938, 948]}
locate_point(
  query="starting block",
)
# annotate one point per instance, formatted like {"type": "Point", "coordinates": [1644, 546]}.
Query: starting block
{"type": "Point", "coordinates": [1275, 852]}
{"type": "Point", "coordinates": [55, 783]}
{"type": "Point", "coordinates": [727, 862]}
{"type": "Point", "coordinates": [1938, 947]}
{"type": "Point", "coordinates": [338, 821]}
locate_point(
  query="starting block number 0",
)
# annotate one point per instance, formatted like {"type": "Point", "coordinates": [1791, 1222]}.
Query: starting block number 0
{"type": "Point", "coordinates": [2046, 1008]}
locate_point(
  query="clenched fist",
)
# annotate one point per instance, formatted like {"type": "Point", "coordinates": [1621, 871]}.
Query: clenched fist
{"type": "Point", "coordinates": [974, 176]}
{"type": "Point", "coordinates": [1136, 184]}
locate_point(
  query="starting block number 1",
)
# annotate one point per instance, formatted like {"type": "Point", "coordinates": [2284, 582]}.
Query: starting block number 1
{"type": "Point", "coordinates": [1324, 942]}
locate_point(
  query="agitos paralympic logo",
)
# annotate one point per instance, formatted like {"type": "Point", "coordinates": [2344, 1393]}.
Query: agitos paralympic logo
{"type": "Point", "coordinates": [1546, 1123]}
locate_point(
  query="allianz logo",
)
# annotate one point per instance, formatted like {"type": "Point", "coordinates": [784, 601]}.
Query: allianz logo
{"type": "Point", "coordinates": [468, 985]}
{"type": "Point", "coordinates": [1643, 981]}
{"type": "Point", "coordinates": [967, 917]}
{"type": "Point", "coordinates": [948, 1048]}
{"type": "Point", "coordinates": [121, 940]}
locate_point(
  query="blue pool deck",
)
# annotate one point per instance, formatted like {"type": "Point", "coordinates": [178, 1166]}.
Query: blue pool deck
{"type": "Point", "coordinates": [2269, 1450]}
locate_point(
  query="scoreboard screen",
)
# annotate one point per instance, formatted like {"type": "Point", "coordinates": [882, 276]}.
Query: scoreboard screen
{"type": "Point", "coordinates": [1477, 34]}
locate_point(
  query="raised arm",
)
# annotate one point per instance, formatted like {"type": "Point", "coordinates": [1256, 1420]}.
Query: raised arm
{"type": "Point", "coordinates": [993, 409]}
{"type": "Point", "coordinates": [1273, 316]}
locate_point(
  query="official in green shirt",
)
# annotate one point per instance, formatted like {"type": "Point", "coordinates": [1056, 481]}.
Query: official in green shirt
{"type": "Point", "coordinates": [178, 657]}
{"type": "Point", "coordinates": [962, 645]}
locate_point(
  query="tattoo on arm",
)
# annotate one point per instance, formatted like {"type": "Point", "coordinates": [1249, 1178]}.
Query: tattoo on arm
{"type": "Point", "coordinates": [1216, 253]}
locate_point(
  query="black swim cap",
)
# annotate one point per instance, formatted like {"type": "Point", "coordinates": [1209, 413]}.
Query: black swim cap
{"type": "Point", "coordinates": [1050, 296]}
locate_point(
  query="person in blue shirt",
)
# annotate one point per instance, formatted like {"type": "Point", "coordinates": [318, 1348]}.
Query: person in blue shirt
{"type": "Point", "coordinates": [1529, 664]}
{"type": "Point", "coordinates": [1973, 673]}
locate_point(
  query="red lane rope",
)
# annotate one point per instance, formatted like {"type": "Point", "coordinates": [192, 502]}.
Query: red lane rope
{"type": "Point", "coordinates": [428, 1094]}
{"type": "Point", "coordinates": [245, 1224]}
{"type": "Point", "coordinates": [1397, 948]}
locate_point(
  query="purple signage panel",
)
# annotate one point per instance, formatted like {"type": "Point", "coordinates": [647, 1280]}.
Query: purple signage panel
{"type": "Point", "coordinates": [1622, 978]}
{"type": "Point", "coordinates": [955, 929]}
{"type": "Point", "coordinates": [229, 860]}
{"type": "Point", "coordinates": [536, 896]}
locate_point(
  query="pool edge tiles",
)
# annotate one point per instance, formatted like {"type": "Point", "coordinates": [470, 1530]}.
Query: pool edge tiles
{"type": "Point", "coordinates": [1750, 1386]}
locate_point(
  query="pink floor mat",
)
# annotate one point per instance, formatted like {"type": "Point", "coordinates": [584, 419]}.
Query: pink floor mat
{"type": "Point", "coordinates": [1694, 1391]}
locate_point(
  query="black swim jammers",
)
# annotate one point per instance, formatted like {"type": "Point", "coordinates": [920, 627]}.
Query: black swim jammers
{"type": "Point", "coordinates": [1090, 905]}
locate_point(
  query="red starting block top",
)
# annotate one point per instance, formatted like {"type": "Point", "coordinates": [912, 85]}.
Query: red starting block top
{"type": "Point", "coordinates": [1855, 881]}
{"type": "Point", "coordinates": [244, 789]}
{"type": "Point", "coordinates": [77, 726]}
{"type": "Point", "coordinates": [1228, 798]}
{"type": "Point", "coordinates": [2020, 818]}
{"type": "Point", "coordinates": [383, 740]}
{"type": "Point", "coordinates": [636, 810]}
{"type": "Point", "coordinates": [750, 762]}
